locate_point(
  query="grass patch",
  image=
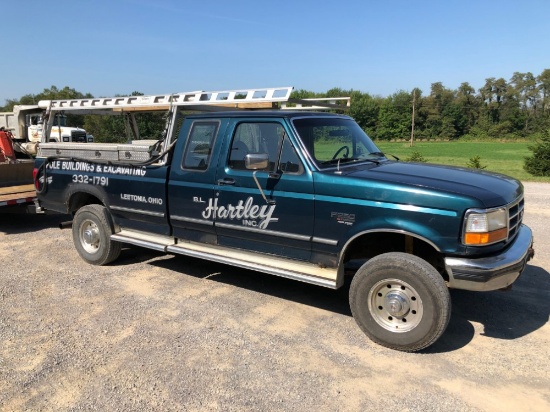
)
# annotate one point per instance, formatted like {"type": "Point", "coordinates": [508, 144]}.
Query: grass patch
{"type": "Point", "coordinates": [500, 157]}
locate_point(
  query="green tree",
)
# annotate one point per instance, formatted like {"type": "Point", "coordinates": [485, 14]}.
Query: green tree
{"type": "Point", "coordinates": [475, 163]}
{"type": "Point", "coordinates": [303, 94]}
{"type": "Point", "coordinates": [9, 105]}
{"type": "Point", "coordinates": [524, 90]}
{"type": "Point", "coordinates": [416, 156]}
{"type": "Point", "coordinates": [544, 88]}
{"type": "Point", "coordinates": [52, 93]}
{"type": "Point", "coordinates": [443, 117]}
{"type": "Point", "coordinates": [365, 110]}
{"type": "Point", "coordinates": [394, 117]}
{"type": "Point", "coordinates": [490, 103]}
{"type": "Point", "coordinates": [113, 128]}
{"type": "Point", "coordinates": [498, 112]}
{"type": "Point", "coordinates": [539, 163]}
{"type": "Point", "coordinates": [337, 92]}
{"type": "Point", "coordinates": [469, 105]}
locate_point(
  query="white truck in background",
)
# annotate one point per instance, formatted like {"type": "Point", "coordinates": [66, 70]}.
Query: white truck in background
{"type": "Point", "coordinates": [21, 130]}
{"type": "Point", "coordinates": [25, 123]}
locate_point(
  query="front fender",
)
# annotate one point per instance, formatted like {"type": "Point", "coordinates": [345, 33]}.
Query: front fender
{"type": "Point", "coordinates": [440, 230]}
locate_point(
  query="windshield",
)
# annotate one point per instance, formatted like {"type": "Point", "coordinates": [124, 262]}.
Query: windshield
{"type": "Point", "coordinates": [331, 141]}
{"type": "Point", "coordinates": [60, 120]}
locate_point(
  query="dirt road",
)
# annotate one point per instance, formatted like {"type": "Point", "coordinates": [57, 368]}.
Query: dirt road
{"type": "Point", "coordinates": [169, 333]}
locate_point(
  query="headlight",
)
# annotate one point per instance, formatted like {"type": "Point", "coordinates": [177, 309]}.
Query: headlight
{"type": "Point", "coordinates": [484, 227]}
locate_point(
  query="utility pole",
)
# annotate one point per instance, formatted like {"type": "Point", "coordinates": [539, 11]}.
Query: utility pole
{"type": "Point", "coordinates": [412, 121]}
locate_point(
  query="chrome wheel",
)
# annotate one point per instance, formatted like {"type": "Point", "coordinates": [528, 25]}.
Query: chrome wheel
{"type": "Point", "coordinates": [395, 305]}
{"type": "Point", "coordinates": [90, 238]}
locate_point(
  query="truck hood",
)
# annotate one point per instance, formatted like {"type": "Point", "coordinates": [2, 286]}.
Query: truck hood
{"type": "Point", "coordinates": [491, 189]}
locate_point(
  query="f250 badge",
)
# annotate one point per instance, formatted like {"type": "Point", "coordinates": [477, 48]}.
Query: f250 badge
{"type": "Point", "coordinates": [343, 218]}
{"type": "Point", "coordinates": [247, 211]}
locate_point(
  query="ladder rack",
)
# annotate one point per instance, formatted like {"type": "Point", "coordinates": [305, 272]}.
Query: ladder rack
{"type": "Point", "coordinates": [266, 98]}
{"type": "Point", "coordinates": [244, 98]}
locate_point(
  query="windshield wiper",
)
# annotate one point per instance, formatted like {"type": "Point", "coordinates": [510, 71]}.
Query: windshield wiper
{"type": "Point", "coordinates": [384, 154]}
{"type": "Point", "coordinates": [349, 159]}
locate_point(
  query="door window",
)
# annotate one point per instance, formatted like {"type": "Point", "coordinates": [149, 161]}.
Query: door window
{"type": "Point", "coordinates": [290, 163]}
{"type": "Point", "coordinates": [257, 138]}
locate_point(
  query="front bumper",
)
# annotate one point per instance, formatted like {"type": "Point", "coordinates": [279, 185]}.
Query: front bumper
{"type": "Point", "coordinates": [494, 272]}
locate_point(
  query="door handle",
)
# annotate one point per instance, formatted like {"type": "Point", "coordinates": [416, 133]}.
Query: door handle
{"type": "Point", "coordinates": [226, 182]}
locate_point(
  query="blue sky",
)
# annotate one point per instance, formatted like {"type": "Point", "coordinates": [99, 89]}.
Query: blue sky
{"type": "Point", "coordinates": [108, 47]}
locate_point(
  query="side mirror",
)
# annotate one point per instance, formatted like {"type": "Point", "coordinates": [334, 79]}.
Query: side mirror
{"type": "Point", "coordinates": [256, 161]}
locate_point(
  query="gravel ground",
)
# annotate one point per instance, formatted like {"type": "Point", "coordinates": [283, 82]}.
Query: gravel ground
{"type": "Point", "coordinates": [169, 333]}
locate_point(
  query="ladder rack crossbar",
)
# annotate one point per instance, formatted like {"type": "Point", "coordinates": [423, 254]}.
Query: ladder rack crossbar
{"type": "Point", "coordinates": [318, 103]}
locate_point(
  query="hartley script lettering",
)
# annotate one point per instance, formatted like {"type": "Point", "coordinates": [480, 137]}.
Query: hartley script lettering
{"type": "Point", "coordinates": [243, 210]}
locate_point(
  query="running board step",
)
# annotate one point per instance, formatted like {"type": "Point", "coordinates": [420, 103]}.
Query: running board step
{"type": "Point", "coordinates": [147, 240]}
{"type": "Point", "coordinates": [287, 268]}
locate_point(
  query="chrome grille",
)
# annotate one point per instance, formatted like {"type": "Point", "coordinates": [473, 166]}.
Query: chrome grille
{"type": "Point", "coordinates": [515, 217]}
{"type": "Point", "coordinates": [78, 136]}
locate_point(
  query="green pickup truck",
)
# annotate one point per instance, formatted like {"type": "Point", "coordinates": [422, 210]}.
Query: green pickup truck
{"type": "Point", "coordinates": [303, 195]}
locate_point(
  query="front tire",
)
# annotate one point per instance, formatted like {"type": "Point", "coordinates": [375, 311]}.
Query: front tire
{"type": "Point", "coordinates": [400, 301]}
{"type": "Point", "coordinates": [92, 229]}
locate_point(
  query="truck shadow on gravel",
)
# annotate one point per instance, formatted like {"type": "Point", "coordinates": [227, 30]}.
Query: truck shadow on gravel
{"type": "Point", "coordinates": [19, 223]}
{"type": "Point", "coordinates": [503, 315]}
{"type": "Point", "coordinates": [311, 295]}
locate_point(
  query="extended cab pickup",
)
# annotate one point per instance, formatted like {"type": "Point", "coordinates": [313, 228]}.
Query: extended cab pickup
{"type": "Point", "coordinates": [303, 195]}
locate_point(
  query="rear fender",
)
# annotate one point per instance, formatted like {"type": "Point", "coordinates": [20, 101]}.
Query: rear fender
{"type": "Point", "coordinates": [81, 194]}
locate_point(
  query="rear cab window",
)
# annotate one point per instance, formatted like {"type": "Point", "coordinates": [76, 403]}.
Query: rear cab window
{"type": "Point", "coordinates": [197, 154]}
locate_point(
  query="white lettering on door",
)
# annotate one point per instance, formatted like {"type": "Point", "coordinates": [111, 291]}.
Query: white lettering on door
{"type": "Point", "coordinates": [247, 211]}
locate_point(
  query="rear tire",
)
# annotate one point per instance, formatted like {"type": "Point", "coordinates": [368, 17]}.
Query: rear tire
{"type": "Point", "coordinates": [92, 229]}
{"type": "Point", "coordinates": [400, 301]}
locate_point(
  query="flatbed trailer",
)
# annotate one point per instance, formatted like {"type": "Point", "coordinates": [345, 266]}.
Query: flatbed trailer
{"type": "Point", "coordinates": [17, 195]}
{"type": "Point", "coordinates": [16, 185]}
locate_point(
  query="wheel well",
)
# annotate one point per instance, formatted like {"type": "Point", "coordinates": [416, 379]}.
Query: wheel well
{"type": "Point", "coordinates": [369, 245]}
{"type": "Point", "coordinates": [82, 199]}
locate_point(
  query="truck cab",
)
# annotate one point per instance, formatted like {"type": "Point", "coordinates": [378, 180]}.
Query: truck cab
{"type": "Point", "coordinates": [59, 132]}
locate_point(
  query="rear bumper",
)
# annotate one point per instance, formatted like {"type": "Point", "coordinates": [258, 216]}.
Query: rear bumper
{"type": "Point", "coordinates": [494, 272]}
